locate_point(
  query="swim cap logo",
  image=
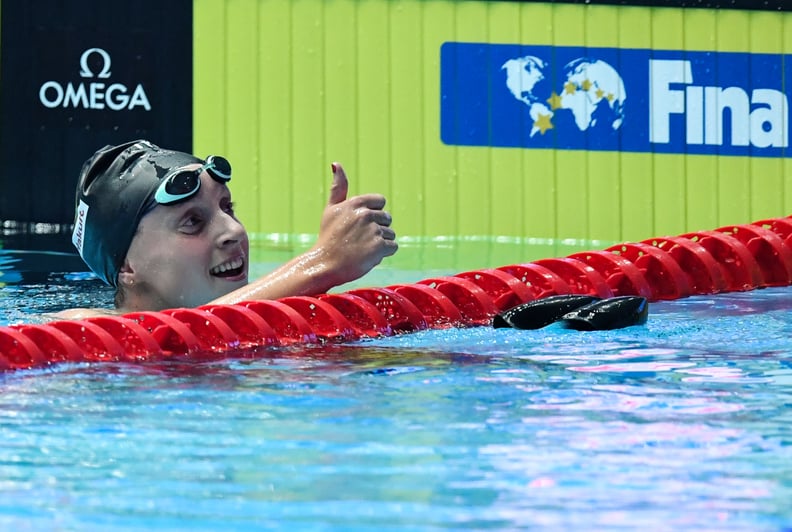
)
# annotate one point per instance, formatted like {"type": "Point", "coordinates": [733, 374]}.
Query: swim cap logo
{"type": "Point", "coordinates": [94, 95]}
{"type": "Point", "coordinates": [79, 227]}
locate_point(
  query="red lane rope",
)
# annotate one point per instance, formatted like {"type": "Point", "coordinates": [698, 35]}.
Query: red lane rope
{"type": "Point", "coordinates": [731, 258]}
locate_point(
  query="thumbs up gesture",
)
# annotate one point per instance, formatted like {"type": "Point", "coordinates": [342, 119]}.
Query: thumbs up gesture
{"type": "Point", "coordinates": [355, 233]}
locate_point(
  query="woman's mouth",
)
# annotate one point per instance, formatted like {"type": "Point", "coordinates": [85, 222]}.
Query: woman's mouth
{"type": "Point", "coordinates": [229, 269]}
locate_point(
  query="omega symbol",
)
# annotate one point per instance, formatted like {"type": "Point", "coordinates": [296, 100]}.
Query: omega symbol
{"type": "Point", "coordinates": [86, 72]}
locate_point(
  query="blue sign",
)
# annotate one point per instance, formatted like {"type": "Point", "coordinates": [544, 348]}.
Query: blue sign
{"type": "Point", "coordinates": [614, 99]}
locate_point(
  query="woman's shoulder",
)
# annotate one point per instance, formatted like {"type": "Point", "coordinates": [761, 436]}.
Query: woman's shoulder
{"type": "Point", "coordinates": [81, 313]}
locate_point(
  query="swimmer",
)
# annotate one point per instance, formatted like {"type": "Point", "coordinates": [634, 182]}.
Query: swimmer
{"type": "Point", "coordinates": [159, 226]}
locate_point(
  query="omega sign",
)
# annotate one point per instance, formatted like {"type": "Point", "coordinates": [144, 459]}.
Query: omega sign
{"type": "Point", "coordinates": [96, 94]}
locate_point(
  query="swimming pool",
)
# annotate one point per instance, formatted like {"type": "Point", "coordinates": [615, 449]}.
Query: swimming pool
{"type": "Point", "coordinates": [683, 423]}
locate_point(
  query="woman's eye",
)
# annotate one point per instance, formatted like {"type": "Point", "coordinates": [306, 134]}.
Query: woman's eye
{"type": "Point", "coordinates": [228, 207]}
{"type": "Point", "coordinates": [192, 223]}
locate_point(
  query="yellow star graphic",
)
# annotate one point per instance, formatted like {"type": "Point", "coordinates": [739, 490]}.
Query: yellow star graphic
{"type": "Point", "coordinates": [543, 123]}
{"type": "Point", "coordinates": [600, 94]}
{"type": "Point", "coordinates": [610, 96]}
{"type": "Point", "coordinates": [570, 88]}
{"type": "Point", "coordinates": [586, 85]}
{"type": "Point", "coordinates": [555, 101]}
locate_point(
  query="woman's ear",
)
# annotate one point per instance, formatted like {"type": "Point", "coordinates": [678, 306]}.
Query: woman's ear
{"type": "Point", "coordinates": [126, 276]}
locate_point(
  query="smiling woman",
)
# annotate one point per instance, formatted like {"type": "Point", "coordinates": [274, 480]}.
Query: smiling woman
{"type": "Point", "coordinates": [159, 226]}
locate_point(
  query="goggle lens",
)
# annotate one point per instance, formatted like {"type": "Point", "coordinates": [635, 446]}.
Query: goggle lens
{"type": "Point", "coordinates": [219, 168]}
{"type": "Point", "coordinates": [182, 184]}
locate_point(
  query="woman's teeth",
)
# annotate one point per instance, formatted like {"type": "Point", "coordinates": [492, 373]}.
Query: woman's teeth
{"type": "Point", "coordinates": [234, 264]}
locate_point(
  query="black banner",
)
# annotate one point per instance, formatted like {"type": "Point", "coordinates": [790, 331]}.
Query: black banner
{"type": "Point", "coordinates": [80, 74]}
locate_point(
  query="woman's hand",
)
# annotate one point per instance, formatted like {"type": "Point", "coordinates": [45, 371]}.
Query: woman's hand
{"type": "Point", "coordinates": [355, 234]}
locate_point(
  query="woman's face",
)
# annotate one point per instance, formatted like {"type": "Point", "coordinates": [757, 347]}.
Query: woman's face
{"type": "Point", "coordinates": [189, 253]}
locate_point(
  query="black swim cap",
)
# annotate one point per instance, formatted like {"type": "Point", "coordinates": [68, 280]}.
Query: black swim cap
{"type": "Point", "coordinates": [115, 189]}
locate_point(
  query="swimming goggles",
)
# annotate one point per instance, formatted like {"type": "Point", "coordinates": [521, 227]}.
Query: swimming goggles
{"type": "Point", "coordinates": [182, 183]}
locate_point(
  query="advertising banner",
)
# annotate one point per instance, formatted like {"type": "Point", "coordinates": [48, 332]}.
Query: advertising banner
{"type": "Point", "coordinates": [612, 99]}
{"type": "Point", "coordinates": [78, 75]}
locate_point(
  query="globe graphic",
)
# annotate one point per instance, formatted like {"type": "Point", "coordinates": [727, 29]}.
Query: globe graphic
{"type": "Point", "coordinates": [587, 85]}
{"type": "Point", "coordinates": [522, 75]}
{"type": "Point", "coordinates": [590, 89]}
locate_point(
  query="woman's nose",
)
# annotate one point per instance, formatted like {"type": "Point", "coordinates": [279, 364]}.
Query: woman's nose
{"type": "Point", "coordinates": [232, 230]}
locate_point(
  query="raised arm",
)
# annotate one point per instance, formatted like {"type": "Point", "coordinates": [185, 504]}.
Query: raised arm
{"type": "Point", "coordinates": [354, 236]}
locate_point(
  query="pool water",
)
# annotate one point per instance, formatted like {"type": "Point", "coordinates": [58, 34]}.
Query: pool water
{"type": "Point", "coordinates": [680, 424]}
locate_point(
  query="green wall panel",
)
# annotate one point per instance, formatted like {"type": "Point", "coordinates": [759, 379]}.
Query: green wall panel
{"type": "Point", "coordinates": [636, 170]}
{"type": "Point", "coordinates": [283, 88]}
